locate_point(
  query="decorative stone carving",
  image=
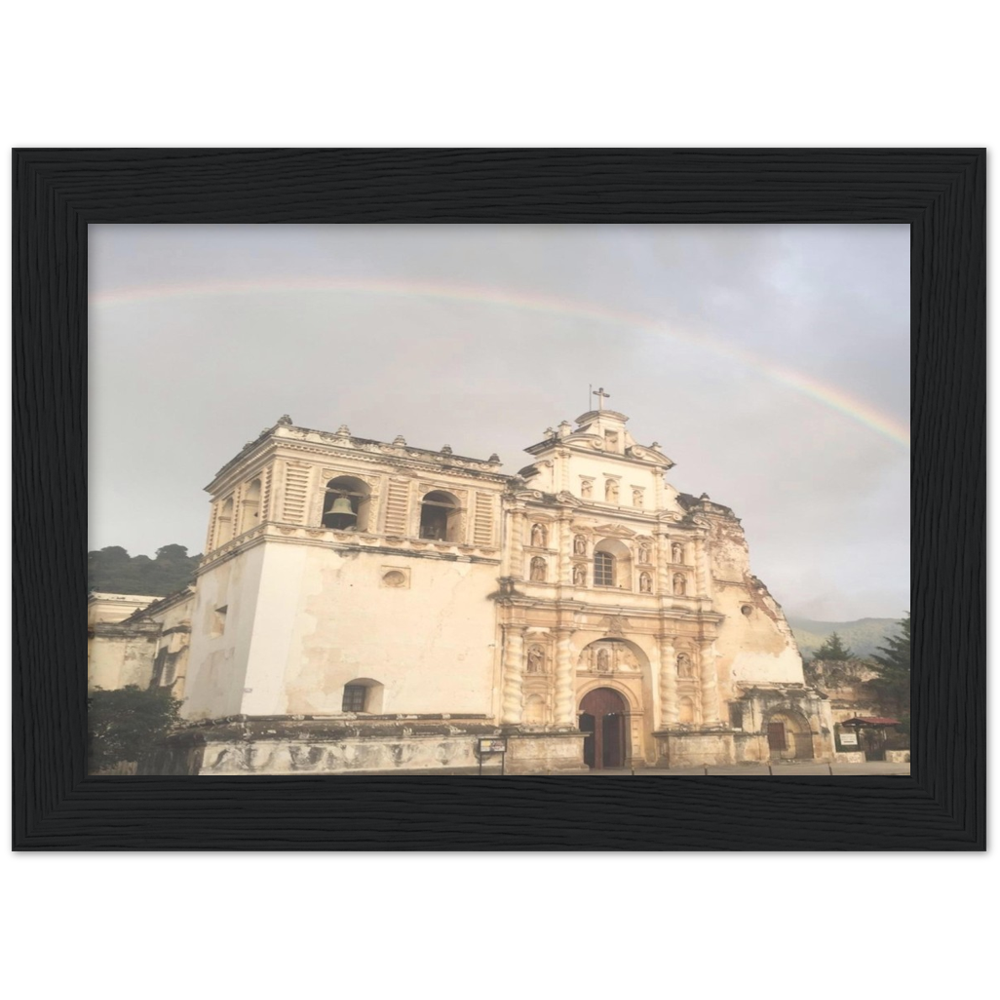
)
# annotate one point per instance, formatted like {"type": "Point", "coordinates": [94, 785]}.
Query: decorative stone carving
{"type": "Point", "coordinates": [604, 659]}
{"type": "Point", "coordinates": [539, 536]}
{"type": "Point", "coordinates": [677, 552]}
{"type": "Point", "coordinates": [536, 660]}
{"type": "Point", "coordinates": [586, 488]}
{"type": "Point", "coordinates": [680, 585]}
{"type": "Point", "coordinates": [538, 568]}
{"type": "Point", "coordinates": [611, 491]}
{"type": "Point", "coordinates": [645, 583]}
{"type": "Point", "coordinates": [615, 624]}
{"type": "Point", "coordinates": [580, 544]}
{"type": "Point", "coordinates": [685, 666]}
{"type": "Point", "coordinates": [643, 553]}
{"type": "Point", "coordinates": [636, 498]}
{"type": "Point", "coordinates": [580, 575]}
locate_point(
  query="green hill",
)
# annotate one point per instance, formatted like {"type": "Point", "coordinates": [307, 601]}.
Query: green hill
{"type": "Point", "coordinates": [862, 637]}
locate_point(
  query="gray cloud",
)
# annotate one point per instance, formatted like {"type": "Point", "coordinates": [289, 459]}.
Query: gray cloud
{"type": "Point", "coordinates": [179, 382]}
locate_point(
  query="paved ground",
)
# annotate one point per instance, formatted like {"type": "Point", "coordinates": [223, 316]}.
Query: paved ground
{"type": "Point", "coordinates": [750, 770]}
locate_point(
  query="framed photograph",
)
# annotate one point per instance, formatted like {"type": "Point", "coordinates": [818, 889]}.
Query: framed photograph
{"type": "Point", "coordinates": [390, 642]}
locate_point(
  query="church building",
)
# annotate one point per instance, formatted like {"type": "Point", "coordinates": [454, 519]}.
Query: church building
{"type": "Point", "coordinates": [367, 606]}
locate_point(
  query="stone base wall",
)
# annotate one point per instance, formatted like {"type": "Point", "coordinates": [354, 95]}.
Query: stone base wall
{"type": "Point", "coordinates": [695, 749]}
{"type": "Point", "coordinates": [849, 757]}
{"type": "Point", "coordinates": [897, 756]}
{"type": "Point", "coordinates": [545, 753]}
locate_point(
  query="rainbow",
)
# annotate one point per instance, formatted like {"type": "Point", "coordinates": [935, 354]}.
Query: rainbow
{"type": "Point", "coordinates": [828, 395]}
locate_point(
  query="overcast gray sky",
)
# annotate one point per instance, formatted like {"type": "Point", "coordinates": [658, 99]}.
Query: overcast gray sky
{"type": "Point", "coordinates": [770, 362]}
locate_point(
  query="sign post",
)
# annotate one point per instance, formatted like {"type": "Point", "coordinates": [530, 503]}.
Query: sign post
{"type": "Point", "coordinates": [492, 745]}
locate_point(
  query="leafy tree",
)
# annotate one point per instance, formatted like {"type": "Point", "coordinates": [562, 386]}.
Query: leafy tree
{"type": "Point", "coordinates": [112, 569]}
{"type": "Point", "coordinates": [892, 663]}
{"type": "Point", "coordinates": [124, 725]}
{"type": "Point", "coordinates": [833, 649]}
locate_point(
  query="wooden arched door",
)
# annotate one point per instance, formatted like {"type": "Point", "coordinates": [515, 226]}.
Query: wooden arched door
{"type": "Point", "coordinates": [604, 718]}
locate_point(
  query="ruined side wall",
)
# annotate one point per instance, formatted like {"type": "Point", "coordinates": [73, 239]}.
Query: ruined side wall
{"type": "Point", "coordinates": [118, 656]}
{"type": "Point", "coordinates": [755, 643]}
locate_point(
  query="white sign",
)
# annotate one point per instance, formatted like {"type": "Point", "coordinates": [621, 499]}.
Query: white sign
{"type": "Point", "coordinates": [492, 746]}
{"type": "Point", "coordinates": [848, 739]}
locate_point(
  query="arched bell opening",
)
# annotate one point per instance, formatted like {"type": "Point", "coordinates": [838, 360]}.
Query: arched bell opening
{"type": "Point", "coordinates": [440, 516]}
{"type": "Point", "coordinates": [346, 504]}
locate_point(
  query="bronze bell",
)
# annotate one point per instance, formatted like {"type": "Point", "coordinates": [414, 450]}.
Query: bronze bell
{"type": "Point", "coordinates": [342, 506]}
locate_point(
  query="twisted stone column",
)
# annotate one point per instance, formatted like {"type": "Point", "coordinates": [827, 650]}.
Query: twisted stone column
{"type": "Point", "coordinates": [668, 682]}
{"type": "Point", "coordinates": [709, 684]}
{"type": "Point", "coordinates": [565, 713]}
{"type": "Point", "coordinates": [513, 666]}
{"type": "Point", "coordinates": [664, 585]}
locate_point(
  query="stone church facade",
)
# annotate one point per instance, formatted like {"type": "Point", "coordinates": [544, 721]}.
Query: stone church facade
{"type": "Point", "coordinates": [366, 606]}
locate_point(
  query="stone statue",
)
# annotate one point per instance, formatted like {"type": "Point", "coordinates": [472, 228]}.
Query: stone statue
{"type": "Point", "coordinates": [644, 553]}
{"type": "Point", "coordinates": [611, 491]}
{"type": "Point", "coordinates": [680, 585]}
{"type": "Point", "coordinates": [580, 545]}
{"type": "Point", "coordinates": [603, 659]}
{"type": "Point", "coordinates": [538, 569]}
{"type": "Point", "coordinates": [636, 498]}
{"type": "Point", "coordinates": [684, 665]}
{"type": "Point", "coordinates": [538, 536]}
{"type": "Point", "coordinates": [586, 487]}
{"type": "Point", "coordinates": [536, 660]}
{"type": "Point", "coordinates": [678, 552]}
{"type": "Point", "coordinates": [645, 583]}
{"type": "Point", "coordinates": [580, 575]}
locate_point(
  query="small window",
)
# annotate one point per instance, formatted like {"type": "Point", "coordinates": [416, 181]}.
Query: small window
{"type": "Point", "coordinates": [354, 697]}
{"type": "Point", "coordinates": [219, 621]}
{"type": "Point", "coordinates": [735, 716]}
{"type": "Point", "coordinates": [604, 569]}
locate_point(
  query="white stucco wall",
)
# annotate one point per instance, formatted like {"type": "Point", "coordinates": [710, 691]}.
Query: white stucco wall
{"type": "Point", "coordinates": [331, 620]}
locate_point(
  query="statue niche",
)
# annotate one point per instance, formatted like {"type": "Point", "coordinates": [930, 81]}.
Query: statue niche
{"type": "Point", "coordinates": [645, 583]}
{"type": "Point", "coordinates": [586, 489]}
{"type": "Point", "coordinates": [611, 491]}
{"type": "Point", "coordinates": [580, 545]}
{"type": "Point", "coordinates": [680, 585]}
{"type": "Point", "coordinates": [677, 552]}
{"type": "Point", "coordinates": [580, 575]}
{"type": "Point", "coordinates": [685, 666]}
{"type": "Point", "coordinates": [643, 552]}
{"type": "Point", "coordinates": [538, 569]}
{"type": "Point", "coordinates": [538, 536]}
{"type": "Point", "coordinates": [536, 660]}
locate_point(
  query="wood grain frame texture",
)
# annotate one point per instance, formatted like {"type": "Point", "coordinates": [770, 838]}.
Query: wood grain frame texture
{"type": "Point", "coordinates": [939, 193]}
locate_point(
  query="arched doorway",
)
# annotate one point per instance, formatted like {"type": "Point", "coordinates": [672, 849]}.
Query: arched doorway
{"type": "Point", "coordinates": [604, 718]}
{"type": "Point", "coordinates": [788, 736]}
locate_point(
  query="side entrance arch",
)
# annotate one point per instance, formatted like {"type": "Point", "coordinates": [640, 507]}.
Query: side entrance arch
{"type": "Point", "coordinates": [604, 718]}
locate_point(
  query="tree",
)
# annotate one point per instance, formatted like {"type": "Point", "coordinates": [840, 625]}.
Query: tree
{"type": "Point", "coordinates": [124, 725]}
{"type": "Point", "coordinates": [833, 649]}
{"type": "Point", "coordinates": [892, 685]}
{"type": "Point", "coordinates": [111, 569]}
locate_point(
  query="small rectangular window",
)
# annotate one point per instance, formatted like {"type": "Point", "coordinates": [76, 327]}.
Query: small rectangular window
{"type": "Point", "coordinates": [219, 621]}
{"type": "Point", "coordinates": [736, 716]}
{"type": "Point", "coordinates": [354, 698]}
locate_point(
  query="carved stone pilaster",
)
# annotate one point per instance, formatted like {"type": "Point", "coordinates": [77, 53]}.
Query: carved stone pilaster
{"type": "Point", "coordinates": [668, 682]}
{"type": "Point", "coordinates": [709, 683]}
{"type": "Point", "coordinates": [701, 567]}
{"type": "Point", "coordinates": [565, 714]}
{"type": "Point", "coordinates": [565, 575]}
{"type": "Point", "coordinates": [517, 545]}
{"type": "Point", "coordinates": [513, 668]}
{"type": "Point", "coordinates": [663, 584]}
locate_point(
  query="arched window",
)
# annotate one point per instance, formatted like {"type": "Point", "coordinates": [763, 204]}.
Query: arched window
{"type": "Point", "coordinates": [250, 508]}
{"type": "Point", "coordinates": [612, 564]}
{"type": "Point", "coordinates": [225, 532]}
{"type": "Point", "coordinates": [346, 504]}
{"type": "Point", "coordinates": [604, 569]}
{"type": "Point", "coordinates": [363, 695]}
{"type": "Point", "coordinates": [440, 516]}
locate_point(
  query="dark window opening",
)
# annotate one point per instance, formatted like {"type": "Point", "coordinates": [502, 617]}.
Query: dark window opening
{"type": "Point", "coordinates": [604, 569]}
{"type": "Point", "coordinates": [736, 716]}
{"type": "Point", "coordinates": [355, 696]}
{"type": "Point", "coordinates": [439, 517]}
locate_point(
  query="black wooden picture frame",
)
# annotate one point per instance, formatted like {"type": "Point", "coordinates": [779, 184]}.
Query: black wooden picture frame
{"type": "Point", "coordinates": [939, 193]}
